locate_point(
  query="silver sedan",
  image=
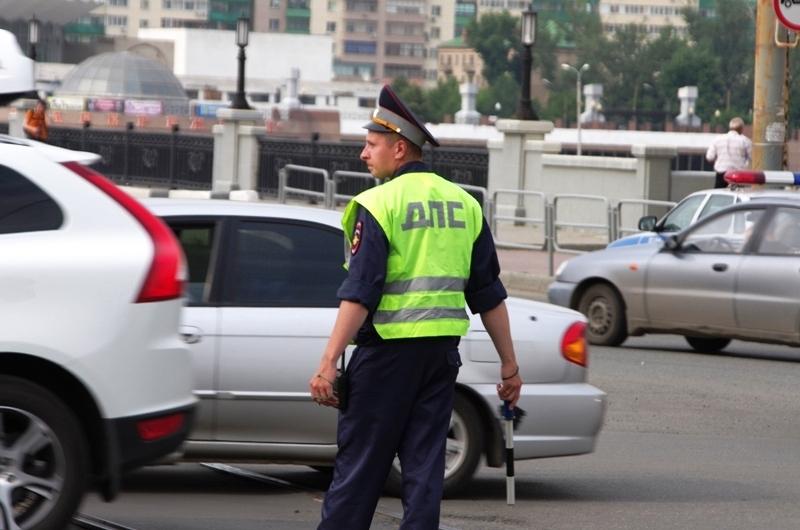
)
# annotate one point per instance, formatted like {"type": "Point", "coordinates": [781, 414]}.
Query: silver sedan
{"type": "Point", "coordinates": [261, 304]}
{"type": "Point", "coordinates": [732, 275]}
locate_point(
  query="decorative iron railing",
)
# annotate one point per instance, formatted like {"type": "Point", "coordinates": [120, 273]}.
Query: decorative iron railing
{"type": "Point", "coordinates": [185, 160]}
{"type": "Point", "coordinates": [171, 160]}
{"type": "Point", "coordinates": [464, 165]}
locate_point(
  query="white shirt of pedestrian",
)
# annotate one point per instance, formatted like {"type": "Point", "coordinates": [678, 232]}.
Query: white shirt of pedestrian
{"type": "Point", "coordinates": [730, 151]}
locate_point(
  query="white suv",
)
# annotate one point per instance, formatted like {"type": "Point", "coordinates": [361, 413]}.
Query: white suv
{"type": "Point", "coordinates": [94, 378]}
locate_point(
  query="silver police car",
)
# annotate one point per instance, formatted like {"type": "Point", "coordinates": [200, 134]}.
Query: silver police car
{"type": "Point", "coordinates": [731, 275]}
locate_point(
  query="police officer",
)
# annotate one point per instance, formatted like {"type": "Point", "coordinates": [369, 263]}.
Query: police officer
{"type": "Point", "coordinates": [420, 250]}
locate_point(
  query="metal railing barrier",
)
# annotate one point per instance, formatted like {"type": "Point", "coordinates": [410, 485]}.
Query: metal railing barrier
{"type": "Point", "coordinates": [519, 220]}
{"type": "Point", "coordinates": [284, 189]}
{"type": "Point", "coordinates": [481, 194]}
{"type": "Point", "coordinates": [556, 224]}
{"type": "Point", "coordinates": [359, 176]}
{"type": "Point", "coordinates": [618, 229]}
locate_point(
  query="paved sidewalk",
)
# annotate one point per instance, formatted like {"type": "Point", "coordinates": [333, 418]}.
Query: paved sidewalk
{"type": "Point", "coordinates": [525, 273]}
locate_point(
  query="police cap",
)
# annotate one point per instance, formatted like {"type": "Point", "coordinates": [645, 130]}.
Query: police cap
{"type": "Point", "coordinates": [391, 115]}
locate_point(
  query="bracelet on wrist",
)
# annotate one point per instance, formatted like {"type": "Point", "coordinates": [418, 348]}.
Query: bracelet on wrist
{"type": "Point", "coordinates": [512, 376]}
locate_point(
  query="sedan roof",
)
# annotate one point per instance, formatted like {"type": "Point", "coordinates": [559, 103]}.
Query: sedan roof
{"type": "Point", "coordinates": [214, 207]}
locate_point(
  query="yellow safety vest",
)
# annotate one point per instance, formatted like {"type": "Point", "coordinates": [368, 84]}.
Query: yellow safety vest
{"type": "Point", "coordinates": [431, 225]}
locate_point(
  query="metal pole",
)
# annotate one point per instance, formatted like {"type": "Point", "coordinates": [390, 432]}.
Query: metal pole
{"type": "Point", "coordinates": [239, 99]}
{"type": "Point", "coordinates": [769, 113]}
{"type": "Point", "coordinates": [578, 107]}
{"type": "Point", "coordinates": [525, 111]}
{"type": "Point", "coordinates": [508, 417]}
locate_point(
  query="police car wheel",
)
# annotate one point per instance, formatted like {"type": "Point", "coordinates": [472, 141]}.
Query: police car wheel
{"type": "Point", "coordinates": [606, 315]}
{"type": "Point", "coordinates": [43, 458]}
{"type": "Point", "coordinates": [462, 452]}
{"type": "Point", "coordinates": [706, 344]}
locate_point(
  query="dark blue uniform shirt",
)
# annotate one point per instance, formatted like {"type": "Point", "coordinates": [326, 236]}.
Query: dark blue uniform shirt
{"type": "Point", "coordinates": [364, 283]}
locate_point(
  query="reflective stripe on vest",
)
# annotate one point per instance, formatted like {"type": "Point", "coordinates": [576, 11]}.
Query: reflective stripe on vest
{"type": "Point", "coordinates": [431, 225]}
{"type": "Point", "coordinates": [430, 283]}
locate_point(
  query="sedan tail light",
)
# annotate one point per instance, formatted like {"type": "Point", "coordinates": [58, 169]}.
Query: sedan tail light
{"type": "Point", "coordinates": [164, 280]}
{"type": "Point", "coordinates": [574, 347]}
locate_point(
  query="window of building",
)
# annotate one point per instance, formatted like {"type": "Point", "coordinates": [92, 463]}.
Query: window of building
{"type": "Point", "coordinates": [357, 6]}
{"type": "Point", "coordinates": [275, 4]}
{"type": "Point", "coordinates": [274, 24]}
{"type": "Point", "coordinates": [144, 23]}
{"type": "Point", "coordinates": [405, 7]}
{"type": "Point", "coordinates": [360, 47]}
{"type": "Point", "coordinates": [331, 5]}
{"type": "Point", "coordinates": [144, 4]}
{"type": "Point", "coordinates": [436, 11]}
{"type": "Point", "coordinates": [401, 70]}
{"type": "Point", "coordinates": [118, 3]}
{"type": "Point", "coordinates": [404, 49]}
{"type": "Point", "coordinates": [330, 27]}
{"type": "Point", "coordinates": [116, 20]}
{"type": "Point", "coordinates": [435, 32]}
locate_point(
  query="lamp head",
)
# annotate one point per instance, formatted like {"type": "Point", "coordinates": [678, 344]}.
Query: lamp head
{"type": "Point", "coordinates": [528, 35]}
{"type": "Point", "coordinates": [33, 30]}
{"type": "Point", "coordinates": [242, 31]}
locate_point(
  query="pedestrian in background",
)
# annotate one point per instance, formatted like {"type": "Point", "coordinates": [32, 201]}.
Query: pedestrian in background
{"type": "Point", "coordinates": [420, 250]}
{"type": "Point", "coordinates": [730, 151]}
{"type": "Point", "coordinates": [35, 124]}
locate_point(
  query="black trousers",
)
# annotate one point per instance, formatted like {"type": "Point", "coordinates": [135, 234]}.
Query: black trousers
{"type": "Point", "coordinates": [719, 180]}
{"type": "Point", "coordinates": [400, 402]}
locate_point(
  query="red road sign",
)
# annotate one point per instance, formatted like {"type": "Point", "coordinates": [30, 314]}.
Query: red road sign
{"type": "Point", "coordinates": [788, 12]}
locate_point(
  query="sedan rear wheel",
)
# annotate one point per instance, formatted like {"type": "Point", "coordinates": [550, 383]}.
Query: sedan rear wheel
{"type": "Point", "coordinates": [43, 458]}
{"type": "Point", "coordinates": [706, 344]}
{"type": "Point", "coordinates": [462, 451]}
{"type": "Point", "coordinates": [603, 308]}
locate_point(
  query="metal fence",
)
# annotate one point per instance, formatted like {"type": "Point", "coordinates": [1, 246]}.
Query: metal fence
{"type": "Point", "coordinates": [171, 160]}
{"type": "Point", "coordinates": [463, 165]}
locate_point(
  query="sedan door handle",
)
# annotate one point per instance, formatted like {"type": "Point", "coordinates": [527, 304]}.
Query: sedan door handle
{"type": "Point", "coordinates": [720, 267]}
{"type": "Point", "coordinates": [191, 334]}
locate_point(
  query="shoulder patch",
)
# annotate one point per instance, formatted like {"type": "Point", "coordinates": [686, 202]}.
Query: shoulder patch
{"type": "Point", "coordinates": [355, 244]}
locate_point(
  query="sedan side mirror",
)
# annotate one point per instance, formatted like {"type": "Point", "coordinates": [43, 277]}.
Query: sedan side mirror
{"type": "Point", "coordinates": [648, 223]}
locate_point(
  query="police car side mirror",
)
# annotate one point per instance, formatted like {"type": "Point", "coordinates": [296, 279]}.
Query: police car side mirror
{"type": "Point", "coordinates": [648, 223]}
{"type": "Point", "coordinates": [672, 243]}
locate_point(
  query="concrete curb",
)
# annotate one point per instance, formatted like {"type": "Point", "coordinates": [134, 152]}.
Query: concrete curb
{"type": "Point", "coordinates": [526, 285]}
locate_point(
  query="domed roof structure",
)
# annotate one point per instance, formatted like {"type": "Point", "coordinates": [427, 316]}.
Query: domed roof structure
{"type": "Point", "coordinates": [124, 75]}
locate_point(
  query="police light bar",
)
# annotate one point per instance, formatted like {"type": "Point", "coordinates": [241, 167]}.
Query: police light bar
{"type": "Point", "coordinates": [746, 176]}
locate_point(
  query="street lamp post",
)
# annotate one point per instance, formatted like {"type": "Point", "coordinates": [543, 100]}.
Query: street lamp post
{"type": "Point", "coordinates": [242, 34]}
{"type": "Point", "coordinates": [33, 35]}
{"type": "Point", "coordinates": [525, 111]}
{"type": "Point", "coordinates": [578, 73]}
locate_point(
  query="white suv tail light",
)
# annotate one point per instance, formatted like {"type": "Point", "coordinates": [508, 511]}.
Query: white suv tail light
{"type": "Point", "coordinates": [164, 280]}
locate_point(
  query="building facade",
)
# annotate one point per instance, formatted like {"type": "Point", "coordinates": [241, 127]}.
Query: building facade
{"type": "Point", "coordinates": [126, 17]}
{"type": "Point", "coordinates": [652, 15]}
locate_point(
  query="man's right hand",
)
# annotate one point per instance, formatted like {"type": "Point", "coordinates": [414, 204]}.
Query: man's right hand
{"type": "Point", "coordinates": [511, 388]}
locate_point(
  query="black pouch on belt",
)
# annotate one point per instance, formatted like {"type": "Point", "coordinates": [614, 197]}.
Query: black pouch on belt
{"type": "Point", "coordinates": [341, 387]}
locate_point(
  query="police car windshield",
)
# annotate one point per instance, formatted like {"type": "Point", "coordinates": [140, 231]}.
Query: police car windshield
{"type": "Point", "coordinates": [681, 216]}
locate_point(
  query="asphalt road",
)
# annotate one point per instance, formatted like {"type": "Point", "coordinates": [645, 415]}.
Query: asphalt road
{"type": "Point", "coordinates": [691, 441]}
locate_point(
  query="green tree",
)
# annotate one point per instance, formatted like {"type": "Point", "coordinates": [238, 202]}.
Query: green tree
{"type": "Point", "coordinates": [729, 37]}
{"type": "Point", "coordinates": [504, 91]}
{"type": "Point", "coordinates": [412, 95]}
{"type": "Point", "coordinates": [443, 100]}
{"type": "Point", "coordinates": [495, 36]}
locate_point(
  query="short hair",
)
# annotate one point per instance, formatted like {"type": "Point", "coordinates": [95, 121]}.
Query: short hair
{"type": "Point", "coordinates": [414, 149]}
{"type": "Point", "coordinates": [736, 124]}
